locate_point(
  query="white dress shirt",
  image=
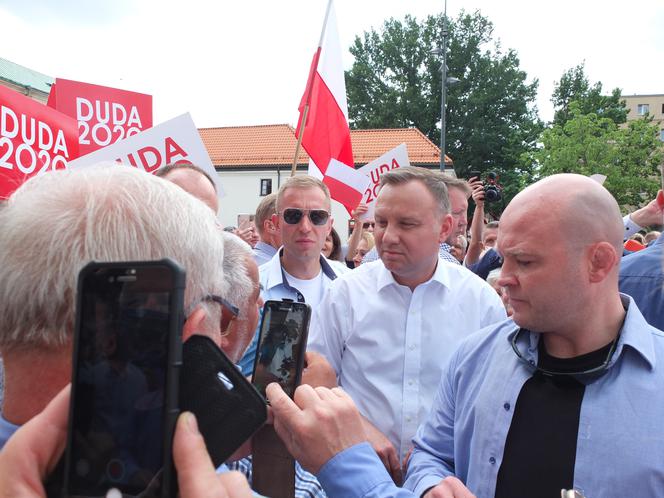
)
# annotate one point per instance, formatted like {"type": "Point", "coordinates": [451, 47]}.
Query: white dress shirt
{"type": "Point", "coordinates": [389, 344]}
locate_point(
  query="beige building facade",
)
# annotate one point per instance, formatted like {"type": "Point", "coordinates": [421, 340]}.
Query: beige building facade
{"type": "Point", "coordinates": [640, 105]}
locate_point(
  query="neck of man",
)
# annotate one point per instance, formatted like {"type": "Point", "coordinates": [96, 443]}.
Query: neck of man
{"type": "Point", "coordinates": [32, 379]}
{"type": "Point", "coordinates": [412, 281]}
{"type": "Point", "coordinates": [302, 268]}
{"type": "Point", "coordinates": [596, 328]}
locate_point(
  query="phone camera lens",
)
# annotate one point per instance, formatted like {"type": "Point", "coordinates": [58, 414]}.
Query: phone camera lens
{"type": "Point", "coordinates": [82, 467]}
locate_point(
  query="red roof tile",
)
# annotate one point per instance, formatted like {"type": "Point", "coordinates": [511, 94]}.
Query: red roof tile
{"type": "Point", "coordinates": [269, 145]}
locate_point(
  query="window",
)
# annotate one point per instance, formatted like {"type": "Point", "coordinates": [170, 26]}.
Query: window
{"type": "Point", "coordinates": [662, 108]}
{"type": "Point", "coordinates": [661, 135]}
{"type": "Point", "coordinates": [266, 186]}
{"type": "Point", "coordinates": [642, 109]}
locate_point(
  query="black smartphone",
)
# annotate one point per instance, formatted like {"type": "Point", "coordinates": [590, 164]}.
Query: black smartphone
{"type": "Point", "coordinates": [124, 399]}
{"type": "Point", "coordinates": [475, 174]}
{"type": "Point", "coordinates": [282, 342]}
{"type": "Point", "coordinates": [227, 407]}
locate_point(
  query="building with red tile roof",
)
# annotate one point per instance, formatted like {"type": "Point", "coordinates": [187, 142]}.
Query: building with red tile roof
{"type": "Point", "coordinates": [268, 146]}
{"type": "Point", "coordinates": [253, 160]}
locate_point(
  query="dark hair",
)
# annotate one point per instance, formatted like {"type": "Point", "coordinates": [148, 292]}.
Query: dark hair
{"type": "Point", "coordinates": [163, 172]}
{"type": "Point", "coordinates": [492, 224]}
{"type": "Point", "coordinates": [336, 246]}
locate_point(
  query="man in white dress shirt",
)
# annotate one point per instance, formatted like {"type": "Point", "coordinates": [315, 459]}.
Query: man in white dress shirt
{"type": "Point", "coordinates": [389, 327]}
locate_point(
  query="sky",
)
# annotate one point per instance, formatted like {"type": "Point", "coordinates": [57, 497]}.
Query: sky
{"type": "Point", "coordinates": [236, 63]}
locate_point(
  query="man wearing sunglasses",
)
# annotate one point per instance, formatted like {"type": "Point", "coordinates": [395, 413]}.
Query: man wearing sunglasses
{"type": "Point", "coordinates": [298, 270]}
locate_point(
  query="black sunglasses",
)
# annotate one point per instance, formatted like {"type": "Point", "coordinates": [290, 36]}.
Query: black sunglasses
{"type": "Point", "coordinates": [597, 370]}
{"type": "Point", "coordinates": [368, 224]}
{"type": "Point", "coordinates": [318, 217]}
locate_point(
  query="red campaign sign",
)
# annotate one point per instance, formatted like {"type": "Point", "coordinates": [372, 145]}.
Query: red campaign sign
{"type": "Point", "coordinates": [105, 115]}
{"type": "Point", "coordinates": [33, 139]}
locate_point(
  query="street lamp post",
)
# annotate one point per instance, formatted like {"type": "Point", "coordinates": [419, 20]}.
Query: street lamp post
{"type": "Point", "coordinates": [443, 97]}
{"type": "Point", "coordinates": [445, 82]}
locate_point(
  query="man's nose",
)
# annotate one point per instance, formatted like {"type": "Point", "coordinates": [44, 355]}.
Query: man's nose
{"type": "Point", "coordinates": [305, 223]}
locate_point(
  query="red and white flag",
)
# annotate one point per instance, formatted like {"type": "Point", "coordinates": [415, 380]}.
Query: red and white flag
{"type": "Point", "coordinates": [347, 183]}
{"type": "Point", "coordinates": [324, 108]}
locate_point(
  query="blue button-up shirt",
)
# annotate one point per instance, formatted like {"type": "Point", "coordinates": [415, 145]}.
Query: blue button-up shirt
{"type": "Point", "coordinates": [642, 277]}
{"type": "Point", "coordinates": [620, 442]}
{"type": "Point", "coordinates": [263, 252]}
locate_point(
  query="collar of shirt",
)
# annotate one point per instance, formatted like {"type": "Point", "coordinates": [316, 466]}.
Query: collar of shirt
{"type": "Point", "coordinates": [631, 335]}
{"type": "Point", "coordinates": [265, 248]}
{"type": "Point", "coordinates": [276, 275]}
{"type": "Point", "coordinates": [441, 275]}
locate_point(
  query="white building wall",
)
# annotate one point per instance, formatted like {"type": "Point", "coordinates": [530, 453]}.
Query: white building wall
{"type": "Point", "coordinates": [242, 190]}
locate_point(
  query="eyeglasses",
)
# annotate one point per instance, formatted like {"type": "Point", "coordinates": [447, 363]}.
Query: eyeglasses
{"type": "Point", "coordinates": [318, 217]}
{"type": "Point", "coordinates": [368, 224]}
{"type": "Point", "coordinates": [549, 373]}
{"type": "Point", "coordinates": [234, 310]}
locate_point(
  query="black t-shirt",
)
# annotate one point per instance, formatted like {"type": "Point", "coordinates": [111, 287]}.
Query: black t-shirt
{"type": "Point", "coordinates": [540, 449]}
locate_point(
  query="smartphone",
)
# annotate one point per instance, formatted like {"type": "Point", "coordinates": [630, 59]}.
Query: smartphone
{"type": "Point", "coordinates": [282, 342]}
{"type": "Point", "coordinates": [475, 174]}
{"type": "Point", "coordinates": [124, 399]}
{"type": "Point", "coordinates": [228, 408]}
{"type": "Point", "coordinates": [244, 219]}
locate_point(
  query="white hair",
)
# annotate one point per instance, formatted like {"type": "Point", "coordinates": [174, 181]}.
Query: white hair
{"type": "Point", "coordinates": [493, 276]}
{"type": "Point", "coordinates": [57, 222]}
{"type": "Point", "coordinates": [239, 286]}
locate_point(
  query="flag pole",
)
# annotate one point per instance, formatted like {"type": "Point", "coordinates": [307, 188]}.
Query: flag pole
{"type": "Point", "coordinates": [310, 83]}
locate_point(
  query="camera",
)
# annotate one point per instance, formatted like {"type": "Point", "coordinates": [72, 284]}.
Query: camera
{"type": "Point", "coordinates": [493, 191]}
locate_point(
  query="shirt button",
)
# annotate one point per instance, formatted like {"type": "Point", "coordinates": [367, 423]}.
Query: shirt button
{"type": "Point", "coordinates": [506, 406]}
{"type": "Point", "coordinates": [410, 382]}
{"type": "Point", "coordinates": [492, 460]}
{"type": "Point", "coordinates": [408, 418]}
{"type": "Point", "coordinates": [412, 346]}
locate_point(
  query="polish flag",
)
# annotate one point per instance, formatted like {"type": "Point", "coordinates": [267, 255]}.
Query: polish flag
{"type": "Point", "coordinates": [348, 183]}
{"type": "Point", "coordinates": [324, 108]}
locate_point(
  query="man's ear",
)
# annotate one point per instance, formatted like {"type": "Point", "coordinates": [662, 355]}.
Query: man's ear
{"type": "Point", "coordinates": [194, 324]}
{"type": "Point", "coordinates": [446, 228]}
{"type": "Point", "coordinates": [602, 261]}
{"type": "Point", "coordinates": [276, 222]}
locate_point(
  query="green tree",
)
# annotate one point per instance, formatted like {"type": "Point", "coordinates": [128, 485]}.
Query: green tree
{"type": "Point", "coordinates": [588, 143]}
{"type": "Point", "coordinates": [575, 87]}
{"type": "Point", "coordinates": [491, 118]}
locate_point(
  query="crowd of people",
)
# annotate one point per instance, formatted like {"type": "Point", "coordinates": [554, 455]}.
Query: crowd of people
{"type": "Point", "coordinates": [511, 358]}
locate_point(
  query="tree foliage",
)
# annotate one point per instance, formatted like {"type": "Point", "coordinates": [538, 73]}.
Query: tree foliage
{"type": "Point", "coordinates": [589, 143]}
{"type": "Point", "coordinates": [575, 87]}
{"type": "Point", "coordinates": [491, 118]}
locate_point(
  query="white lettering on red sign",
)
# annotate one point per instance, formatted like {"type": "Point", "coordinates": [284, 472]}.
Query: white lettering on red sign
{"type": "Point", "coordinates": [111, 121]}
{"type": "Point", "coordinates": [18, 137]}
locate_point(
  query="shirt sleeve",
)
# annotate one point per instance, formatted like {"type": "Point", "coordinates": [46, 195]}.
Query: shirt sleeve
{"type": "Point", "coordinates": [357, 472]}
{"type": "Point", "coordinates": [630, 227]}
